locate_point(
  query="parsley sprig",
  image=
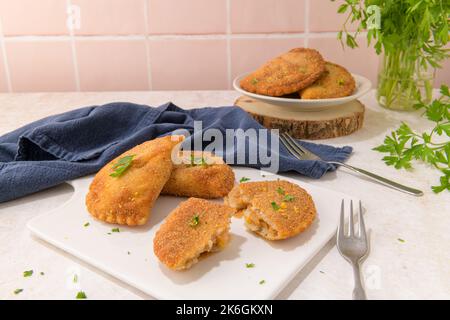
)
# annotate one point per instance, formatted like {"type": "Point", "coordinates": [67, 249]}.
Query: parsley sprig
{"type": "Point", "coordinates": [405, 145]}
{"type": "Point", "coordinates": [122, 165]}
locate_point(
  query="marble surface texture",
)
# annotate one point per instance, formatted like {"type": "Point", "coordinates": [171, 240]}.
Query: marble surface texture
{"type": "Point", "coordinates": [415, 267]}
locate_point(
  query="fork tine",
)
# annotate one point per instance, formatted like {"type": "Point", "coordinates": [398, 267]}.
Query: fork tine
{"type": "Point", "coordinates": [340, 232]}
{"type": "Point", "coordinates": [300, 147]}
{"type": "Point", "coordinates": [292, 142]}
{"type": "Point", "coordinates": [362, 227]}
{"type": "Point", "coordinates": [351, 225]}
{"type": "Point", "coordinates": [290, 149]}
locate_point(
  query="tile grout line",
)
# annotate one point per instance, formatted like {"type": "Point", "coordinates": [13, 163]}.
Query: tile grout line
{"type": "Point", "coordinates": [298, 35]}
{"type": "Point", "coordinates": [228, 43]}
{"type": "Point", "coordinates": [147, 46]}
{"type": "Point", "coordinates": [74, 51]}
{"type": "Point", "coordinates": [5, 60]}
{"type": "Point", "coordinates": [307, 10]}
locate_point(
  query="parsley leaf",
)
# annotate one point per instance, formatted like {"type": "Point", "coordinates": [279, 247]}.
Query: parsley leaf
{"type": "Point", "coordinates": [404, 145]}
{"type": "Point", "coordinates": [86, 224]}
{"type": "Point", "coordinates": [249, 265]}
{"type": "Point", "coordinates": [262, 282]}
{"type": "Point", "coordinates": [122, 165]}
{"type": "Point", "coordinates": [81, 295]}
{"type": "Point", "coordinates": [280, 190]}
{"type": "Point", "coordinates": [194, 221]}
{"type": "Point", "coordinates": [275, 206]}
{"type": "Point", "coordinates": [244, 179]}
{"type": "Point", "coordinates": [115, 230]}
{"type": "Point", "coordinates": [28, 273]}
{"type": "Point", "coordinates": [17, 291]}
{"type": "Point", "coordinates": [288, 198]}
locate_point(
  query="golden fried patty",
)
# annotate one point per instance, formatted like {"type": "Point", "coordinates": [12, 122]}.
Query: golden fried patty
{"type": "Point", "coordinates": [273, 209]}
{"type": "Point", "coordinates": [285, 74]}
{"type": "Point", "coordinates": [200, 175]}
{"type": "Point", "coordinates": [195, 228]}
{"type": "Point", "coordinates": [125, 190]}
{"type": "Point", "coordinates": [335, 82]}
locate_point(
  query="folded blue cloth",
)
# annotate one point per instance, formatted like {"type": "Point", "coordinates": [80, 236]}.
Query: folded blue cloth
{"type": "Point", "coordinates": [63, 147]}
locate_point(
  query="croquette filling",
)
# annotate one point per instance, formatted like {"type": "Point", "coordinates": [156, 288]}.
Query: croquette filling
{"type": "Point", "coordinates": [216, 243]}
{"type": "Point", "coordinates": [254, 220]}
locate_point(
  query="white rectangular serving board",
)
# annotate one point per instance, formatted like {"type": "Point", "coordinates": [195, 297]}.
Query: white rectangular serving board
{"type": "Point", "coordinates": [221, 275]}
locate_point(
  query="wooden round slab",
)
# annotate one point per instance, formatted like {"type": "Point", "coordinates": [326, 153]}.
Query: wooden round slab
{"type": "Point", "coordinates": [333, 122]}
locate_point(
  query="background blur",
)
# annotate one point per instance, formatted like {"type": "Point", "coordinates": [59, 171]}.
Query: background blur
{"type": "Point", "coordinates": [104, 45]}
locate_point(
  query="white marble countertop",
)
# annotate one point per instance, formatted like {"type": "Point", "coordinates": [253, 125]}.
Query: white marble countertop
{"type": "Point", "coordinates": [417, 268]}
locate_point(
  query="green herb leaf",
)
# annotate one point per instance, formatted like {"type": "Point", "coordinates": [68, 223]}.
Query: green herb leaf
{"type": "Point", "coordinates": [280, 190]}
{"type": "Point", "coordinates": [249, 265]}
{"type": "Point", "coordinates": [115, 230]}
{"type": "Point", "coordinates": [195, 220]}
{"type": "Point", "coordinates": [75, 278]}
{"type": "Point", "coordinates": [401, 240]}
{"type": "Point", "coordinates": [81, 295]}
{"type": "Point", "coordinates": [41, 273]}
{"type": "Point", "coordinates": [405, 145]}
{"type": "Point", "coordinates": [275, 206]}
{"type": "Point", "coordinates": [262, 282]}
{"type": "Point", "coordinates": [17, 291]}
{"type": "Point", "coordinates": [244, 179]}
{"type": "Point", "coordinates": [289, 198]}
{"type": "Point", "coordinates": [86, 224]}
{"type": "Point", "coordinates": [28, 273]}
{"type": "Point", "coordinates": [122, 165]}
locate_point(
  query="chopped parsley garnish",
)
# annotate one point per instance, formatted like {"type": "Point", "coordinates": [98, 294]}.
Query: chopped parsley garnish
{"type": "Point", "coordinates": [17, 291]}
{"type": "Point", "coordinates": [28, 273]}
{"type": "Point", "coordinates": [194, 221]}
{"type": "Point", "coordinates": [41, 273]}
{"type": "Point", "coordinates": [198, 161]}
{"type": "Point", "coordinates": [254, 81]}
{"type": "Point", "coordinates": [288, 198]}
{"type": "Point", "coordinates": [401, 240]}
{"type": "Point", "coordinates": [249, 265]}
{"type": "Point", "coordinates": [244, 179]}
{"type": "Point", "coordinates": [262, 282]}
{"type": "Point", "coordinates": [86, 224]}
{"type": "Point", "coordinates": [122, 165]}
{"type": "Point", "coordinates": [115, 230]}
{"type": "Point", "coordinates": [81, 295]}
{"type": "Point", "coordinates": [275, 206]}
{"type": "Point", "coordinates": [341, 82]}
{"type": "Point", "coordinates": [75, 278]}
{"type": "Point", "coordinates": [280, 190]}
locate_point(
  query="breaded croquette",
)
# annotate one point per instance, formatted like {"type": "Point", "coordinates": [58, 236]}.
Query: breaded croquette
{"type": "Point", "coordinates": [285, 74]}
{"type": "Point", "coordinates": [274, 210]}
{"type": "Point", "coordinates": [200, 175]}
{"type": "Point", "coordinates": [195, 228]}
{"type": "Point", "coordinates": [335, 82]}
{"type": "Point", "coordinates": [125, 190]}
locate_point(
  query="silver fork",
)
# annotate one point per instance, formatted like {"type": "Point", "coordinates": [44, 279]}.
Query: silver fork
{"type": "Point", "coordinates": [302, 153]}
{"type": "Point", "coordinates": [353, 248]}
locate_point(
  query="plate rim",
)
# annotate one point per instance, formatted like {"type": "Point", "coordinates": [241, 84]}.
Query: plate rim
{"type": "Point", "coordinates": [366, 85]}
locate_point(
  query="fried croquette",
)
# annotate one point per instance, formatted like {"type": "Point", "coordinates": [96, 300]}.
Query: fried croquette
{"type": "Point", "coordinates": [194, 229]}
{"type": "Point", "coordinates": [335, 82]}
{"type": "Point", "coordinates": [275, 210]}
{"type": "Point", "coordinates": [201, 175]}
{"type": "Point", "coordinates": [285, 74]}
{"type": "Point", "coordinates": [125, 190]}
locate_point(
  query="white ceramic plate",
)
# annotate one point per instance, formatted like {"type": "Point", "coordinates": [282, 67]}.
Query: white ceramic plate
{"type": "Point", "coordinates": [363, 85]}
{"type": "Point", "coordinates": [221, 275]}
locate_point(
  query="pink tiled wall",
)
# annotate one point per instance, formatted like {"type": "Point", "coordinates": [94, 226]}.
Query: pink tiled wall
{"type": "Point", "coordinates": [162, 44]}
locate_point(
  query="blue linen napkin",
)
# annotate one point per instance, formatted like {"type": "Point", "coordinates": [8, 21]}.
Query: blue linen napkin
{"type": "Point", "coordinates": [63, 147]}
